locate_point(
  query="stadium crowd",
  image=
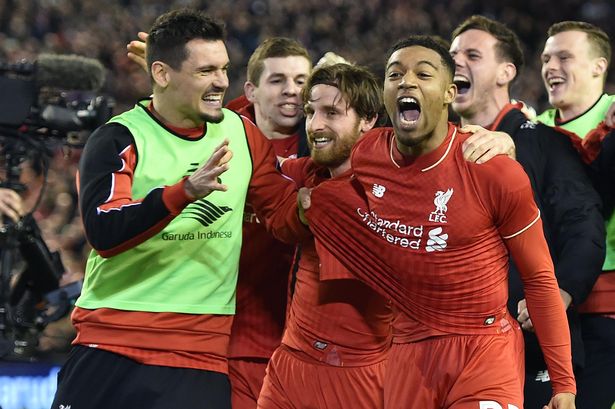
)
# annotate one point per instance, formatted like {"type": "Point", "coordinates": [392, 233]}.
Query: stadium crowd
{"type": "Point", "coordinates": [357, 31]}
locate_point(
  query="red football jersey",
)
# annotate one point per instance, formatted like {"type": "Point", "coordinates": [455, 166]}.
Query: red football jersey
{"type": "Point", "coordinates": [432, 234]}
{"type": "Point", "coordinates": [341, 322]}
{"type": "Point", "coordinates": [264, 266]}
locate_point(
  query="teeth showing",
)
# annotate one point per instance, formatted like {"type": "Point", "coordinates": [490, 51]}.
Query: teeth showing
{"type": "Point", "coordinates": [320, 141]}
{"type": "Point", "coordinates": [290, 106]}
{"type": "Point", "coordinates": [213, 98]}
{"type": "Point", "coordinates": [555, 81]}
{"type": "Point", "coordinates": [460, 78]}
{"type": "Point", "coordinates": [408, 100]}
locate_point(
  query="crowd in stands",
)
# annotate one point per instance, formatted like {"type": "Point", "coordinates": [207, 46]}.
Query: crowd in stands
{"type": "Point", "coordinates": [359, 31]}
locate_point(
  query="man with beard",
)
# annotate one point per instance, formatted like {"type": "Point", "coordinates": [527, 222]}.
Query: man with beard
{"type": "Point", "coordinates": [162, 200]}
{"type": "Point", "coordinates": [488, 58]}
{"type": "Point", "coordinates": [337, 335]}
{"type": "Point", "coordinates": [575, 63]}
{"type": "Point", "coordinates": [432, 232]}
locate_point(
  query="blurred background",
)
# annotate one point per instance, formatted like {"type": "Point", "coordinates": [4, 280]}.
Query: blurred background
{"type": "Point", "coordinates": [360, 31]}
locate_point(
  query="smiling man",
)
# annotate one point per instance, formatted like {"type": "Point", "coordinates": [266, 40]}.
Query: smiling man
{"type": "Point", "coordinates": [575, 63]}
{"type": "Point", "coordinates": [488, 59]}
{"type": "Point", "coordinates": [162, 201]}
{"type": "Point", "coordinates": [277, 72]}
{"type": "Point", "coordinates": [334, 349]}
{"type": "Point", "coordinates": [432, 232]}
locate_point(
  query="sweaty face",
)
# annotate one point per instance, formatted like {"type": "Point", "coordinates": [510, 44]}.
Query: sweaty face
{"type": "Point", "coordinates": [476, 66]}
{"type": "Point", "coordinates": [417, 91]}
{"type": "Point", "coordinates": [332, 126]}
{"type": "Point", "coordinates": [197, 89]}
{"type": "Point", "coordinates": [278, 94]}
{"type": "Point", "coordinates": [567, 68]}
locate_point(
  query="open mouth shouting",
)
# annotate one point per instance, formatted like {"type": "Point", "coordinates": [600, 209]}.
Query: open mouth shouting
{"type": "Point", "coordinates": [463, 84]}
{"type": "Point", "coordinates": [409, 112]}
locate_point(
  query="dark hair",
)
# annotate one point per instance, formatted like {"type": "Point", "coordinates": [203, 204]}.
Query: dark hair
{"type": "Point", "coordinates": [173, 30]}
{"type": "Point", "coordinates": [508, 47]}
{"type": "Point", "coordinates": [271, 48]}
{"type": "Point", "coordinates": [598, 40]}
{"type": "Point", "coordinates": [359, 86]}
{"type": "Point", "coordinates": [434, 43]}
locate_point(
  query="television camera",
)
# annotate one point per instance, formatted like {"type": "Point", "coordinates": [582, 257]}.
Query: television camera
{"type": "Point", "coordinates": [43, 105]}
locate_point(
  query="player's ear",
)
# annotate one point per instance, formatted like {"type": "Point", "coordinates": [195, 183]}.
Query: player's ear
{"type": "Point", "coordinates": [365, 124]}
{"type": "Point", "coordinates": [506, 73]}
{"type": "Point", "coordinates": [249, 90]}
{"type": "Point", "coordinates": [450, 93]}
{"type": "Point", "coordinates": [599, 66]}
{"type": "Point", "coordinates": [160, 73]}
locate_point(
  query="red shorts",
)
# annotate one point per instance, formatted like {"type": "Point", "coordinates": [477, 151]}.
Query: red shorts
{"type": "Point", "coordinates": [457, 372]}
{"type": "Point", "coordinates": [246, 378]}
{"type": "Point", "coordinates": [292, 381]}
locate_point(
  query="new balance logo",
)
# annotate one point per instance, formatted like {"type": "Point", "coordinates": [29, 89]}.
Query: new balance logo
{"type": "Point", "coordinates": [320, 345]}
{"type": "Point", "coordinates": [489, 404]}
{"type": "Point", "coordinates": [205, 212]}
{"type": "Point", "coordinates": [436, 240]}
{"type": "Point", "coordinates": [64, 407]}
{"type": "Point", "coordinates": [542, 376]}
{"type": "Point", "coordinates": [378, 190]}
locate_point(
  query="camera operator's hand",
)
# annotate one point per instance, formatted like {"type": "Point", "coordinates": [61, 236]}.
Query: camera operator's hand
{"type": "Point", "coordinates": [136, 50]}
{"type": "Point", "coordinates": [11, 204]}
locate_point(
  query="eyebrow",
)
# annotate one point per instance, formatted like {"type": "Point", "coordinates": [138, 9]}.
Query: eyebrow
{"type": "Point", "coordinates": [212, 67]}
{"type": "Point", "coordinates": [280, 74]}
{"type": "Point", "coordinates": [418, 63]}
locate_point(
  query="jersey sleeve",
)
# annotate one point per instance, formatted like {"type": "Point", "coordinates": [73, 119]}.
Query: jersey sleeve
{"type": "Point", "coordinates": [507, 194]}
{"type": "Point", "coordinates": [272, 195]}
{"type": "Point", "coordinates": [509, 197]}
{"type": "Point", "coordinates": [531, 255]}
{"type": "Point", "coordinates": [296, 169]}
{"type": "Point", "coordinates": [114, 221]}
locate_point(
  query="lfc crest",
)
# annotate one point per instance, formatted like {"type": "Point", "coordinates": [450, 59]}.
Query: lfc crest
{"type": "Point", "coordinates": [440, 201]}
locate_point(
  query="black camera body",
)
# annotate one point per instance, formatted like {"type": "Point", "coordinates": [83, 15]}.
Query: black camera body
{"type": "Point", "coordinates": [43, 105]}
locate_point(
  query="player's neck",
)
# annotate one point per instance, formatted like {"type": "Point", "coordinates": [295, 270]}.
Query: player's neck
{"type": "Point", "coordinates": [430, 142]}
{"type": "Point", "coordinates": [167, 114]}
{"type": "Point", "coordinates": [571, 111]}
{"type": "Point", "coordinates": [338, 170]}
{"type": "Point", "coordinates": [486, 114]}
{"type": "Point", "coordinates": [271, 130]}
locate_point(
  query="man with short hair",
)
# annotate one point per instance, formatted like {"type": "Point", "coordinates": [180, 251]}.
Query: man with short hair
{"type": "Point", "coordinates": [276, 74]}
{"type": "Point", "coordinates": [488, 59]}
{"type": "Point", "coordinates": [432, 232]}
{"type": "Point", "coordinates": [575, 63]}
{"type": "Point", "coordinates": [162, 199]}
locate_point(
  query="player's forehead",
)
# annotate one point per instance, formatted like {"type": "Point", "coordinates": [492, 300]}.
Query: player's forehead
{"type": "Point", "coordinates": [413, 56]}
{"type": "Point", "coordinates": [206, 54]}
{"type": "Point", "coordinates": [570, 41]}
{"type": "Point", "coordinates": [290, 66]}
{"type": "Point", "coordinates": [325, 96]}
{"type": "Point", "coordinates": [473, 39]}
